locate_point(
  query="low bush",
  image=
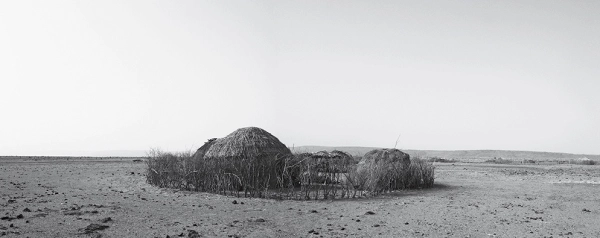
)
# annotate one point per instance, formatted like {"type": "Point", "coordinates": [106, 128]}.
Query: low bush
{"type": "Point", "coordinates": [441, 160]}
{"type": "Point", "coordinates": [583, 161]}
{"type": "Point", "coordinates": [389, 176]}
{"type": "Point", "coordinates": [499, 161]}
{"type": "Point", "coordinates": [173, 170]}
{"type": "Point", "coordinates": [421, 174]}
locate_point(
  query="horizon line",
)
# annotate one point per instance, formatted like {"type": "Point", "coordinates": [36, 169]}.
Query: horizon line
{"type": "Point", "coordinates": [137, 153]}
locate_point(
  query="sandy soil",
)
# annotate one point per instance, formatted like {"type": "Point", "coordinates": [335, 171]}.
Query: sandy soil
{"type": "Point", "coordinates": [109, 198]}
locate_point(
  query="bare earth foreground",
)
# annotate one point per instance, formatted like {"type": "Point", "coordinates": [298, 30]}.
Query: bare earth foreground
{"type": "Point", "coordinates": [62, 198]}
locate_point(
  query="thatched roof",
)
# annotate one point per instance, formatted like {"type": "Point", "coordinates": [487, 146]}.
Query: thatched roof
{"type": "Point", "coordinates": [202, 150]}
{"type": "Point", "coordinates": [249, 142]}
{"type": "Point", "coordinates": [333, 155]}
{"type": "Point", "coordinates": [334, 161]}
{"type": "Point", "coordinates": [385, 155]}
{"type": "Point", "coordinates": [339, 157]}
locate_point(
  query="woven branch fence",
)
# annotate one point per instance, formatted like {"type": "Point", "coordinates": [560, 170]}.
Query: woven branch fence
{"type": "Point", "coordinates": [297, 177]}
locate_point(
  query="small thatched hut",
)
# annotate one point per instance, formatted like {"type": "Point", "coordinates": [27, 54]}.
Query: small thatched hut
{"type": "Point", "coordinates": [250, 158]}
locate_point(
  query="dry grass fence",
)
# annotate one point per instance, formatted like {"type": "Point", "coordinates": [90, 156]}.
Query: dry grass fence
{"type": "Point", "coordinates": [297, 177]}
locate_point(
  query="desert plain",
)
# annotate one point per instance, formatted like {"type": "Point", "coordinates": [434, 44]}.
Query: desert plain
{"type": "Point", "coordinates": [109, 197]}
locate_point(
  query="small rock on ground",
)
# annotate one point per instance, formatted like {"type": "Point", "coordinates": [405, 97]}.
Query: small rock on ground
{"type": "Point", "coordinates": [94, 227]}
{"type": "Point", "coordinates": [193, 234]}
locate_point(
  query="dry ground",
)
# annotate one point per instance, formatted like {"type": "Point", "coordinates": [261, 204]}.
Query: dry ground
{"type": "Point", "coordinates": [60, 198]}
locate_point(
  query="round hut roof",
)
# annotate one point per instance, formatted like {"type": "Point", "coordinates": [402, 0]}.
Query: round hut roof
{"type": "Point", "coordinates": [202, 150]}
{"type": "Point", "coordinates": [247, 142]}
{"type": "Point", "coordinates": [335, 154]}
{"type": "Point", "coordinates": [387, 155]}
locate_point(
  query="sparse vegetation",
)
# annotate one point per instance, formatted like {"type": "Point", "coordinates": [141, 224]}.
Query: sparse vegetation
{"type": "Point", "coordinates": [529, 161]}
{"type": "Point", "coordinates": [499, 161]}
{"type": "Point", "coordinates": [583, 161]}
{"type": "Point", "coordinates": [441, 160]}
{"type": "Point", "coordinates": [172, 170]}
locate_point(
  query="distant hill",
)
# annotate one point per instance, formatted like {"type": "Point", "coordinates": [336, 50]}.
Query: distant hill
{"type": "Point", "coordinates": [359, 151]}
{"type": "Point", "coordinates": [457, 154]}
{"type": "Point", "coordinates": [98, 153]}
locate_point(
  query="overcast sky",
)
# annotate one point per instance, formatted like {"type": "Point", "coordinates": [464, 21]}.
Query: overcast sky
{"type": "Point", "coordinates": [79, 76]}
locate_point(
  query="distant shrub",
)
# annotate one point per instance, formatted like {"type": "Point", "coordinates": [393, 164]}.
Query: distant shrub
{"type": "Point", "coordinates": [529, 161]}
{"type": "Point", "coordinates": [589, 162]}
{"type": "Point", "coordinates": [441, 160]}
{"type": "Point", "coordinates": [499, 161]}
{"type": "Point", "coordinates": [584, 161]}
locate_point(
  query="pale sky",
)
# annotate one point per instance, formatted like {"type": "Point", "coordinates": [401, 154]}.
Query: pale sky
{"type": "Point", "coordinates": [78, 76]}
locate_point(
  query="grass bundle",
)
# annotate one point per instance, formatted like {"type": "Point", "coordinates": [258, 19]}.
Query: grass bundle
{"type": "Point", "coordinates": [386, 170]}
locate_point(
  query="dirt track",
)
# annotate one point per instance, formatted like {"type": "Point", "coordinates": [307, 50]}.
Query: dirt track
{"type": "Point", "coordinates": [62, 198]}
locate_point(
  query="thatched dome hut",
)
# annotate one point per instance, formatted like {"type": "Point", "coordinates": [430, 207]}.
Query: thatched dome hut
{"type": "Point", "coordinates": [248, 159]}
{"type": "Point", "coordinates": [248, 142]}
{"type": "Point", "coordinates": [384, 156]}
{"type": "Point", "coordinates": [202, 150]}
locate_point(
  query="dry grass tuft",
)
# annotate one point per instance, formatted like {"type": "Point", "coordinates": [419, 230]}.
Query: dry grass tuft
{"type": "Point", "coordinates": [386, 170]}
{"type": "Point", "coordinates": [170, 169]}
